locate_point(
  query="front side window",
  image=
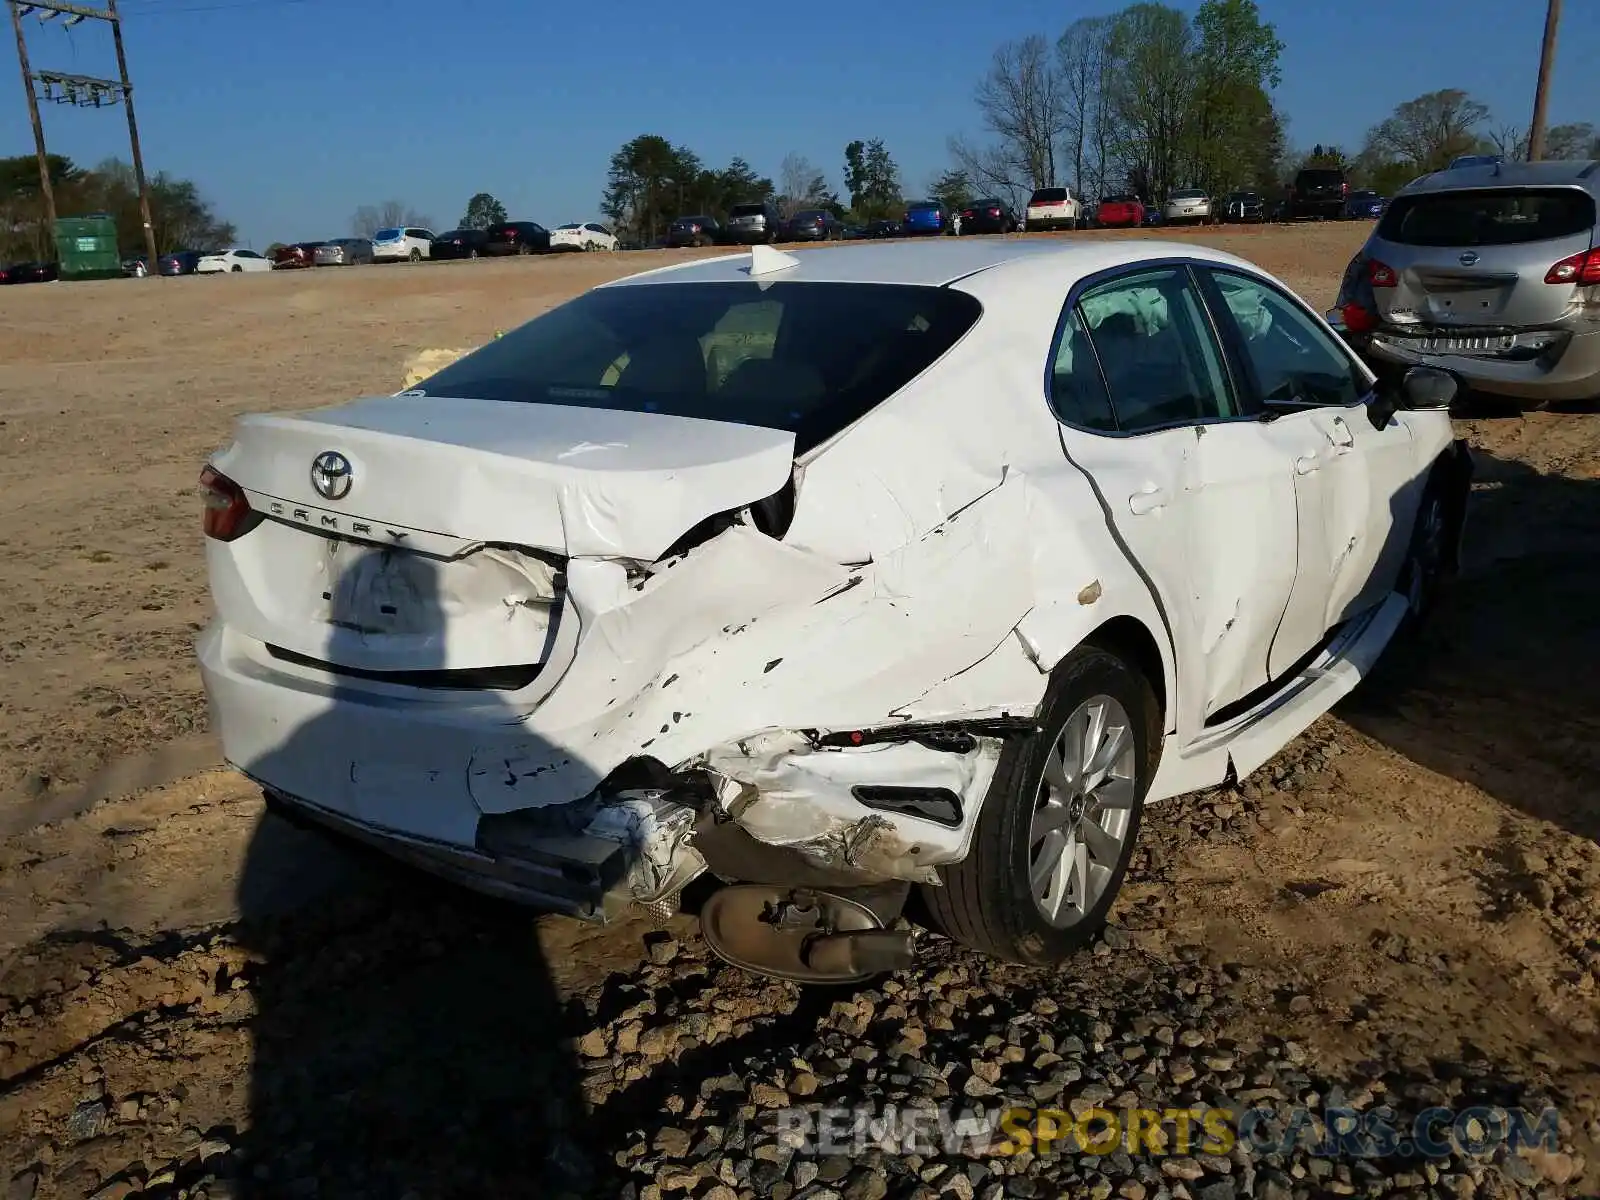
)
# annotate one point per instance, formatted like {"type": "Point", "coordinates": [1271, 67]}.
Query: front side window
{"type": "Point", "coordinates": [1291, 358]}
{"type": "Point", "coordinates": [804, 357]}
{"type": "Point", "coordinates": [1161, 363]}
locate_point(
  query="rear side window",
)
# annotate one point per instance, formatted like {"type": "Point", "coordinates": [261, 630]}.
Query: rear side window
{"type": "Point", "coordinates": [1077, 389]}
{"type": "Point", "coordinates": [1488, 217]}
{"type": "Point", "coordinates": [1049, 196]}
{"type": "Point", "coordinates": [1161, 364]}
{"type": "Point", "coordinates": [805, 357]}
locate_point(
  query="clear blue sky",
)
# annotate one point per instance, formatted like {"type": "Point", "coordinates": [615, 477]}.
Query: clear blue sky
{"type": "Point", "coordinates": [290, 113]}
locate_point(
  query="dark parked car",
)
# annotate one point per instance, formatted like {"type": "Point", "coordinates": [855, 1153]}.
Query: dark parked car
{"type": "Point", "coordinates": [886, 228]}
{"type": "Point", "coordinates": [699, 230]}
{"type": "Point", "coordinates": [180, 262]}
{"type": "Point", "coordinates": [755, 221]}
{"type": "Point", "coordinates": [293, 257]}
{"type": "Point", "coordinates": [1363, 206]}
{"type": "Point", "coordinates": [345, 252]}
{"type": "Point", "coordinates": [1318, 192]}
{"type": "Point", "coordinates": [461, 243]}
{"type": "Point", "coordinates": [517, 237]}
{"type": "Point", "coordinates": [32, 272]}
{"type": "Point", "coordinates": [1244, 208]}
{"type": "Point", "coordinates": [989, 215]}
{"type": "Point", "coordinates": [927, 218]}
{"type": "Point", "coordinates": [813, 225]}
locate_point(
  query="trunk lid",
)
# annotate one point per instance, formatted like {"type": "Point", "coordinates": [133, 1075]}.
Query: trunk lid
{"type": "Point", "coordinates": [557, 478]}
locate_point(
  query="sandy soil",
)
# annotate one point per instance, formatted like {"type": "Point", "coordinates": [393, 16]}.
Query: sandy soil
{"type": "Point", "coordinates": [1423, 865]}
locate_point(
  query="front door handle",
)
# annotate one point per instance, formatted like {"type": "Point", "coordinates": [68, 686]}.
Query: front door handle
{"type": "Point", "coordinates": [1306, 464]}
{"type": "Point", "coordinates": [1147, 500]}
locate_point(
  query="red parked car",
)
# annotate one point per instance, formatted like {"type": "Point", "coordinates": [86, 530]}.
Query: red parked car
{"type": "Point", "coordinates": [1120, 212]}
{"type": "Point", "coordinates": [301, 254]}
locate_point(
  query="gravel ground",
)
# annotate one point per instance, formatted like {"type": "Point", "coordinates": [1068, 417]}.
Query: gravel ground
{"type": "Point", "coordinates": [1399, 910]}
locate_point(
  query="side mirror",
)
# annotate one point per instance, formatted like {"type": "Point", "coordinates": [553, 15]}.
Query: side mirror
{"type": "Point", "coordinates": [1428, 389]}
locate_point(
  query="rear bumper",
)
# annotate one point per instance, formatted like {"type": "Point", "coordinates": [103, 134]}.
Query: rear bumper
{"type": "Point", "coordinates": [1048, 221]}
{"type": "Point", "coordinates": [1571, 373]}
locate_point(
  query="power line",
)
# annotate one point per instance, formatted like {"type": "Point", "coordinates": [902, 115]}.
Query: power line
{"type": "Point", "coordinates": [145, 14]}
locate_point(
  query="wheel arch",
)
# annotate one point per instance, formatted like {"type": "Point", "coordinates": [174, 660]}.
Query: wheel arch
{"type": "Point", "coordinates": [1130, 640]}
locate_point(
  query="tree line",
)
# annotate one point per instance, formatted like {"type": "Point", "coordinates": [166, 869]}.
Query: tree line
{"type": "Point", "coordinates": [1151, 98]}
{"type": "Point", "coordinates": [182, 218]}
{"type": "Point", "coordinates": [651, 181]}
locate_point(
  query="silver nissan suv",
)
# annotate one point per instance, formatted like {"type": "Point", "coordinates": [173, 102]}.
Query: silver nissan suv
{"type": "Point", "coordinates": [1489, 272]}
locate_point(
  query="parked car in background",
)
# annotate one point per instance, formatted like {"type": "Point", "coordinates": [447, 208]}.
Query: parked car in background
{"type": "Point", "coordinates": [755, 221]}
{"type": "Point", "coordinates": [989, 215]}
{"type": "Point", "coordinates": [461, 243]}
{"type": "Point", "coordinates": [518, 652]}
{"type": "Point", "coordinates": [136, 266]}
{"type": "Point", "coordinates": [1052, 208]}
{"type": "Point", "coordinates": [1122, 211]}
{"type": "Point", "coordinates": [402, 244]}
{"type": "Point", "coordinates": [517, 237]}
{"type": "Point", "coordinates": [295, 256]}
{"type": "Point", "coordinates": [1244, 208]}
{"type": "Point", "coordinates": [886, 227]}
{"type": "Point", "coordinates": [1484, 272]}
{"type": "Point", "coordinates": [1318, 192]}
{"type": "Point", "coordinates": [1475, 160]}
{"type": "Point", "coordinates": [179, 262]}
{"type": "Point", "coordinates": [1189, 205]}
{"type": "Point", "coordinates": [927, 218]}
{"type": "Point", "coordinates": [234, 261]}
{"type": "Point", "coordinates": [343, 252]}
{"type": "Point", "coordinates": [701, 230]}
{"type": "Point", "coordinates": [586, 235]}
{"type": "Point", "coordinates": [812, 225]}
{"type": "Point", "coordinates": [32, 272]}
{"type": "Point", "coordinates": [1363, 206]}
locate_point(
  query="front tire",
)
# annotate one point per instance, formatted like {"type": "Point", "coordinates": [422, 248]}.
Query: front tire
{"type": "Point", "coordinates": [1428, 566]}
{"type": "Point", "coordinates": [1060, 820]}
{"type": "Point", "coordinates": [237, 269]}
{"type": "Point", "coordinates": [415, 255]}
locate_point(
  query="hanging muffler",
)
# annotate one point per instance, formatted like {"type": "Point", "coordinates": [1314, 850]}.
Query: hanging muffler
{"type": "Point", "coordinates": [803, 934]}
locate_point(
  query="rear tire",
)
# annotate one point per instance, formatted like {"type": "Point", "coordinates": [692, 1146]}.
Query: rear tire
{"type": "Point", "coordinates": [237, 269]}
{"type": "Point", "coordinates": [988, 901]}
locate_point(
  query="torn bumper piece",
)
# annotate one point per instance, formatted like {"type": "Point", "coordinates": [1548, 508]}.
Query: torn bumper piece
{"type": "Point", "coordinates": [590, 861]}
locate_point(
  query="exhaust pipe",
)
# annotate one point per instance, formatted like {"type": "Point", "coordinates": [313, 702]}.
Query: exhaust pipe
{"type": "Point", "coordinates": [802, 935]}
{"type": "Point", "coordinates": [866, 952]}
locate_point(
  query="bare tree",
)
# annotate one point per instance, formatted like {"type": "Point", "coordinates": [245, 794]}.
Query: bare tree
{"type": "Point", "coordinates": [800, 185]}
{"type": "Point", "coordinates": [391, 214]}
{"type": "Point", "coordinates": [1509, 140]}
{"type": "Point", "coordinates": [992, 170]}
{"type": "Point", "coordinates": [1023, 101]}
{"type": "Point", "coordinates": [1084, 56]}
{"type": "Point", "coordinates": [1430, 130]}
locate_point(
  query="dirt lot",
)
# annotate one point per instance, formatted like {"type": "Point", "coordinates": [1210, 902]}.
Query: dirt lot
{"type": "Point", "coordinates": [196, 1001]}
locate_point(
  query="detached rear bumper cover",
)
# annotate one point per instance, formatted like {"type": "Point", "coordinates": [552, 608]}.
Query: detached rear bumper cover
{"type": "Point", "coordinates": [721, 665]}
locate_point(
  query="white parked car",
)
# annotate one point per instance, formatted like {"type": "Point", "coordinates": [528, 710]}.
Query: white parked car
{"type": "Point", "coordinates": [1052, 208]}
{"type": "Point", "coordinates": [231, 261]}
{"type": "Point", "coordinates": [587, 236]}
{"type": "Point", "coordinates": [401, 244]}
{"type": "Point", "coordinates": [834, 575]}
{"type": "Point", "coordinates": [1189, 204]}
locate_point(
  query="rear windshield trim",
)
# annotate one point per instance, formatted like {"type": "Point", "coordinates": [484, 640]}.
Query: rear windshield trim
{"type": "Point", "coordinates": [828, 354]}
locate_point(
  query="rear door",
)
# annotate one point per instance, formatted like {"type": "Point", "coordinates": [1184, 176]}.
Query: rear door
{"type": "Point", "coordinates": [1479, 256]}
{"type": "Point", "coordinates": [1355, 486]}
{"type": "Point", "coordinates": [1203, 501]}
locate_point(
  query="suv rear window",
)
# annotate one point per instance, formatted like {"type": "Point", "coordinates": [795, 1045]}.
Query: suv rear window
{"type": "Point", "coordinates": [748, 210]}
{"type": "Point", "coordinates": [1049, 196]}
{"type": "Point", "coordinates": [387, 235]}
{"type": "Point", "coordinates": [923, 206]}
{"type": "Point", "coordinates": [1322, 178]}
{"type": "Point", "coordinates": [1488, 217]}
{"type": "Point", "coordinates": [805, 357]}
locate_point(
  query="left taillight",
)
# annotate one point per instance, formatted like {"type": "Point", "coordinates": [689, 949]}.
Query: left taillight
{"type": "Point", "coordinates": [227, 510]}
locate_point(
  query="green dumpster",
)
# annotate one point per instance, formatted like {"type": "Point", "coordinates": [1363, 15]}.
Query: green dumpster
{"type": "Point", "coordinates": [86, 248]}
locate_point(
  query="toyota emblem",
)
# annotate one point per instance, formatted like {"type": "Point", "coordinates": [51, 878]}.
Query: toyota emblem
{"type": "Point", "coordinates": [332, 475]}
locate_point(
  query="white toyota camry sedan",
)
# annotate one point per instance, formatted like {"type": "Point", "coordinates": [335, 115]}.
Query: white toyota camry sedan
{"type": "Point", "coordinates": [829, 576]}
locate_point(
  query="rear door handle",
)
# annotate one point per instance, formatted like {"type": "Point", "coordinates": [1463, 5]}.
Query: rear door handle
{"type": "Point", "coordinates": [1147, 500]}
{"type": "Point", "coordinates": [1306, 464]}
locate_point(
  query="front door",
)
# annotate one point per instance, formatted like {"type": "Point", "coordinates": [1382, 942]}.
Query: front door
{"type": "Point", "coordinates": [1353, 496]}
{"type": "Point", "coordinates": [1203, 502]}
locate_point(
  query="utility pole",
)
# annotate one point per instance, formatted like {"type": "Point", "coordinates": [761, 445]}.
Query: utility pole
{"type": "Point", "coordinates": [38, 125]}
{"type": "Point", "coordinates": [1547, 62]}
{"type": "Point", "coordinates": [82, 91]}
{"type": "Point", "coordinates": [133, 137]}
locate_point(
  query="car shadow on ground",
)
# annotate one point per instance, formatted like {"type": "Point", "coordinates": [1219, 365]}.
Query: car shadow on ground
{"type": "Point", "coordinates": [1499, 689]}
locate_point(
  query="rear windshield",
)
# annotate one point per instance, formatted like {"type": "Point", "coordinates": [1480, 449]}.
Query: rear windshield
{"type": "Point", "coordinates": [922, 206]}
{"type": "Point", "coordinates": [1320, 178]}
{"type": "Point", "coordinates": [811, 214]}
{"type": "Point", "coordinates": [1488, 217]}
{"type": "Point", "coordinates": [1189, 194]}
{"type": "Point", "coordinates": [805, 357]}
{"type": "Point", "coordinates": [747, 210]}
{"type": "Point", "coordinates": [1049, 196]}
{"type": "Point", "coordinates": [386, 235]}
{"type": "Point", "coordinates": [573, 225]}
{"type": "Point", "coordinates": [1118, 199]}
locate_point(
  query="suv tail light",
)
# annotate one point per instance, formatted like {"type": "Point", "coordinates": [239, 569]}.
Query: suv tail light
{"type": "Point", "coordinates": [1582, 269]}
{"type": "Point", "coordinates": [227, 511]}
{"type": "Point", "coordinates": [1381, 275]}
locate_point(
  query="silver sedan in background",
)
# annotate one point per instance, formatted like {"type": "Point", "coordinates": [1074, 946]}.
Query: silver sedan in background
{"type": "Point", "coordinates": [343, 252]}
{"type": "Point", "coordinates": [1188, 204]}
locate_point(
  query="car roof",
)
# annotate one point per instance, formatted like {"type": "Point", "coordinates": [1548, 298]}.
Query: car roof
{"type": "Point", "coordinates": [927, 265]}
{"type": "Point", "coordinates": [1581, 172]}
